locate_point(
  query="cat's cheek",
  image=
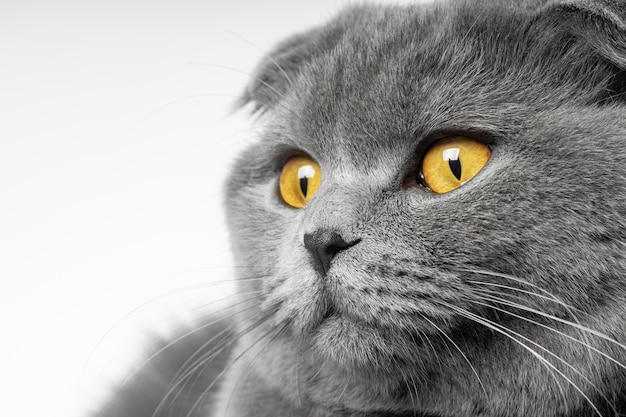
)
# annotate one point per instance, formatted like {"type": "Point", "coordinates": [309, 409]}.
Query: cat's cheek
{"type": "Point", "coordinates": [294, 289]}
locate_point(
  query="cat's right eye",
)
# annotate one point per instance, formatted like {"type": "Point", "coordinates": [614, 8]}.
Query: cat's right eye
{"type": "Point", "coordinates": [299, 180]}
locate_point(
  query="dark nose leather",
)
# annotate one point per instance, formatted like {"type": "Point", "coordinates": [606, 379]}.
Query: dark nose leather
{"type": "Point", "coordinates": [324, 245]}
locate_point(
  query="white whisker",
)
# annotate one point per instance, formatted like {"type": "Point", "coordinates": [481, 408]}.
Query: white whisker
{"type": "Point", "coordinates": [518, 280]}
{"type": "Point", "coordinates": [165, 106]}
{"type": "Point", "coordinates": [560, 320]}
{"type": "Point", "coordinates": [265, 54]}
{"type": "Point", "coordinates": [207, 357]}
{"type": "Point", "coordinates": [480, 382]}
{"type": "Point", "coordinates": [343, 391]}
{"type": "Point", "coordinates": [193, 362]}
{"type": "Point", "coordinates": [298, 353]}
{"type": "Point", "coordinates": [508, 332]}
{"type": "Point", "coordinates": [154, 300]}
{"type": "Point", "coordinates": [182, 377]}
{"type": "Point", "coordinates": [226, 368]}
{"type": "Point", "coordinates": [522, 307]}
{"type": "Point", "coordinates": [534, 294]}
{"type": "Point", "coordinates": [251, 367]}
{"type": "Point", "coordinates": [271, 87]}
{"type": "Point", "coordinates": [569, 309]}
{"type": "Point", "coordinates": [184, 336]}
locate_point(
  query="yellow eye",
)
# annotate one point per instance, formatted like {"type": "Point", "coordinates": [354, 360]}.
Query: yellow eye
{"type": "Point", "coordinates": [452, 161]}
{"type": "Point", "coordinates": [299, 180]}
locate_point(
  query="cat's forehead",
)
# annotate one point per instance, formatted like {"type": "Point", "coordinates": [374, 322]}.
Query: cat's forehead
{"type": "Point", "coordinates": [392, 79]}
{"type": "Point", "coordinates": [373, 84]}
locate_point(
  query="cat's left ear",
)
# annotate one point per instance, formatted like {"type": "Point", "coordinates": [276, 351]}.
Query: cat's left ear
{"type": "Point", "coordinates": [600, 24]}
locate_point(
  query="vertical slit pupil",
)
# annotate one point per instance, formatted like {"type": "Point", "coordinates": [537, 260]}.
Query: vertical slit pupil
{"type": "Point", "coordinates": [304, 185]}
{"type": "Point", "coordinates": [455, 167]}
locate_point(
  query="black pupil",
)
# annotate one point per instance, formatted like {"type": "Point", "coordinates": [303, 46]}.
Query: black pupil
{"type": "Point", "coordinates": [455, 167]}
{"type": "Point", "coordinates": [304, 185]}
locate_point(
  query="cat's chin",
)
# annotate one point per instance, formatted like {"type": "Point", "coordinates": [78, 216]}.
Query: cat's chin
{"type": "Point", "coordinates": [354, 344]}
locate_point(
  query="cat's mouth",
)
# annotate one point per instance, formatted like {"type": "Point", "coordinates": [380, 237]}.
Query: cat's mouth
{"type": "Point", "coordinates": [378, 307]}
{"type": "Point", "coordinates": [334, 310]}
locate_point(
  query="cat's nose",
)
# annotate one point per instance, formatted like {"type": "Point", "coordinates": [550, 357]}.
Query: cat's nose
{"type": "Point", "coordinates": [324, 244]}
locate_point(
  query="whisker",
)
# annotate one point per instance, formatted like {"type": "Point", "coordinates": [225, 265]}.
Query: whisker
{"type": "Point", "coordinates": [406, 376]}
{"type": "Point", "coordinates": [517, 280]}
{"type": "Point", "coordinates": [187, 363]}
{"type": "Point", "coordinates": [414, 395]}
{"type": "Point", "coordinates": [319, 371]}
{"type": "Point", "coordinates": [461, 352]}
{"type": "Point", "coordinates": [280, 68]}
{"type": "Point", "coordinates": [271, 87]}
{"type": "Point", "coordinates": [178, 377]}
{"type": "Point", "coordinates": [425, 339]}
{"type": "Point", "coordinates": [147, 303]}
{"type": "Point", "coordinates": [229, 281]}
{"type": "Point", "coordinates": [560, 320]}
{"type": "Point", "coordinates": [507, 287]}
{"type": "Point", "coordinates": [188, 376]}
{"type": "Point", "coordinates": [583, 343]}
{"type": "Point", "coordinates": [568, 308]}
{"type": "Point", "coordinates": [508, 332]}
{"type": "Point", "coordinates": [186, 335]}
{"type": "Point", "coordinates": [162, 349]}
{"type": "Point", "coordinates": [494, 327]}
{"type": "Point", "coordinates": [343, 391]}
{"type": "Point", "coordinates": [298, 353]}
{"type": "Point", "coordinates": [231, 363]}
{"type": "Point", "coordinates": [177, 385]}
{"type": "Point", "coordinates": [229, 142]}
{"type": "Point", "coordinates": [195, 364]}
{"type": "Point", "coordinates": [251, 367]}
{"type": "Point", "coordinates": [424, 336]}
{"type": "Point", "coordinates": [171, 103]}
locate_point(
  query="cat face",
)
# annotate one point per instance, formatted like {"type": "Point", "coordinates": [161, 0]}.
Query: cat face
{"type": "Point", "coordinates": [433, 217]}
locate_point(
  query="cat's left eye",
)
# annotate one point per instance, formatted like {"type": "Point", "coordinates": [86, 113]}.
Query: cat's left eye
{"type": "Point", "coordinates": [299, 180]}
{"type": "Point", "coordinates": [452, 161]}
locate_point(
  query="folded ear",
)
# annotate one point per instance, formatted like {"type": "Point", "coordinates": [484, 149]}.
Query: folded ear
{"type": "Point", "coordinates": [279, 70]}
{"type": "Point", "coordinates": [275, 73]}
{"type": "Point", "coordinates": [600, 25]}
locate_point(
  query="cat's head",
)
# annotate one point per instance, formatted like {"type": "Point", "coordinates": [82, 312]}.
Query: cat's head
{"type": "Point", "coordinates": [434, 215]}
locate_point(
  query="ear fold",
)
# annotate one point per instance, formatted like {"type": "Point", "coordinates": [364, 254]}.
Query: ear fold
{"type": "Point", "coordinates": [598, 24]}
{"type": "Point", "coordinates": [278, 71]}
{"type": "Point", "coordinates": [601, 23]}
{"type": "Point", "coordinates": [275, 74]}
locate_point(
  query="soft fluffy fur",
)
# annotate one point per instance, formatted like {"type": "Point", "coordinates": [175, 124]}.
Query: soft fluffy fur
{"type": "Point", "coordinates": [505, 297]}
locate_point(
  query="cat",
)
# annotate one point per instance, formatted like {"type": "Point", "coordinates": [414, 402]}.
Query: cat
{"type": "Point", "coordinates": [431, 223]}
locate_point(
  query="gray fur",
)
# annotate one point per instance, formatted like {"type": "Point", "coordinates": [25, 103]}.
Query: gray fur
{"type": "Point", "coordinates": [399, 325]}
{"type": "Point", "coordinates": [543, 84]}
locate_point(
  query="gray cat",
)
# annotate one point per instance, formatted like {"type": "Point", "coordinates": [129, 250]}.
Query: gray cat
{"type": "Point", "coordinates": [432, 223]}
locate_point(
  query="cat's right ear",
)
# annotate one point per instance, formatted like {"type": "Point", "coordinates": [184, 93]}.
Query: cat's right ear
{"type": "Point", "coordinates": [600, 25]}
{"type": "Point", "coordinates": [275, 73]}
{"type": "Point", "coordinates": [278, 70]}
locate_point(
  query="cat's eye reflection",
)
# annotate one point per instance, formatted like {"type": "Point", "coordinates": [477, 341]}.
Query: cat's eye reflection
{"type": "Point", "coordinates": [452, 161]}
{"type": "Point", "coordinates": [299, 180]}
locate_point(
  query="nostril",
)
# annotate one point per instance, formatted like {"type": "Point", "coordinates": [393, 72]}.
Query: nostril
{"type": "Point", "coordinates": [324, 245]}
{"type": "Point", "coordinates": [332, 250]}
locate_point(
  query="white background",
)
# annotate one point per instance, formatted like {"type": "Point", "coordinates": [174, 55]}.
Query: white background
{"type": "Point", "coordinates": [114, 142]}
